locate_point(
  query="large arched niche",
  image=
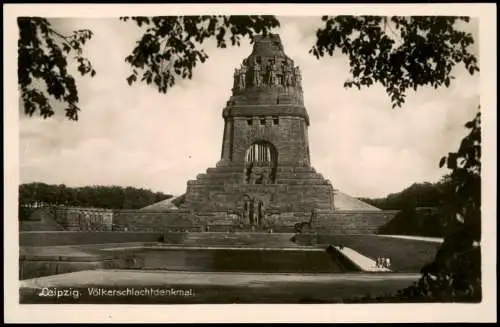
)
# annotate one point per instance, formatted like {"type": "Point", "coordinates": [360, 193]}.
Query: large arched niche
{"type": "Point", "coordinates": [261, 161]}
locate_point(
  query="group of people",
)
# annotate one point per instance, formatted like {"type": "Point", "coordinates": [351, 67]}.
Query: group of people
{"type": "Point", "coordinates": [383, 262]}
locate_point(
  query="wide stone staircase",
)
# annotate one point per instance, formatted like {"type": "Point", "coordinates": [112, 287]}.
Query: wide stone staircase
{"type": "Point", "coordinates": [296, 189]}
{"type": "Point", "coordinates": [254, 240]}
{"type": "Point", "coordinates": [41, 219]}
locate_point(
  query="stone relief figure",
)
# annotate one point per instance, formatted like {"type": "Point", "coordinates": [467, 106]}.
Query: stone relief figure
{"type": "Point", "coordinates": [271, 74]}
{"type": "Point", "coordinates": [265, 177]}
{"type": "Point", "coordinates": [235, 219]}
{"type": "Point", "coordinates": [253, 178]}
{"type": "Point", "coordinates": [247, 209]}
{"type": "Point", "coordinates": [256, 74]}
{"type": "Point", "coordinates": [287, 73]}
{"type": "Point", "coordinates": [255, 211]}
{"type": "Point", "coordinates": [236, 78]}
{"type": "Point", "coordinates": [260, 206]}
{"type": "Point", "coordinates": [242, 78]}
{"type": "Point", "coordinates": [241, 220]}
{"type": "Point", "coordinates": [269, 220]}
{"type": "Point", "coordinates": [259, 175]}
{"type": "Point", "coordinates": [297, 77]}
{"type": "Point", "coordinates": [314, 216]}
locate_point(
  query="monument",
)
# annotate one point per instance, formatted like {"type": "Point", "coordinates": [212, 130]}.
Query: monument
{"type": "Point", "coordinates": [264, 171]}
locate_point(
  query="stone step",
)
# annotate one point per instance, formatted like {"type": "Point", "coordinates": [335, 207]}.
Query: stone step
{"type": "Point", "coordinates": [221, 175]}
{"type": "Point", "coordinates": [225, 169]}
{"type": "Point", "coordinates": [294, 175]}
{"type": "Point", "coordinates": [237, 168]}
{"type": "Point", "coordinates": [297, 169]}
{"type": "Point", "coordinates": [239, 239]}
{"type": "Point", "coordinates": [215, 181]}
{"type": "Point", "coordinates": [302, 181]}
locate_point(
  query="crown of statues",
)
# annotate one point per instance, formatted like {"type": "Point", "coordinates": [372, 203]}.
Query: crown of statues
{"type": "Point", "coordinates": [267, 66]}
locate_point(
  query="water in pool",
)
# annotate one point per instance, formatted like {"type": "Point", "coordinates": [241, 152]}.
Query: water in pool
{"type": "Point", "coordinates": [229, 260]}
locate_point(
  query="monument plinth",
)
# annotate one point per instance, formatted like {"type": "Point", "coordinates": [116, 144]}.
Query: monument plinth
{"type": "Point", "coordinates": [265, 167]}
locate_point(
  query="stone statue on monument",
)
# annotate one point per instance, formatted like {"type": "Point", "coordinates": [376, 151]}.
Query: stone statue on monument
{"type": "Point", "coordinates": [297, 77]}
{"type": "Point", "coordinates": [253, 178]}
{"type": "Point", "coordinates": [256, 74]}
{"type": "Point", "coordinates": [271, 74]}
{"type": "Point", "coordinates": [247, 209]}
{"type": "Point", "coordinates": [255, 211]}
{"type": "Point", "coordinates": [287, 73]}
{"type": "Point", "coordinates": [242, 78]}
{"type": "Point", "coordinates": [265, 177]}
{"type": "Point", "coordinates": [233, 216]}
{"type": "Point", "coordinates": [260, 211]}
{"type": "Point", "coordinates": [236, 78]}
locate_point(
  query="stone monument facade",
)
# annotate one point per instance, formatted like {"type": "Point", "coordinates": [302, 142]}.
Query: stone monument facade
{"type": "Point", "coordinates": [265, 171]}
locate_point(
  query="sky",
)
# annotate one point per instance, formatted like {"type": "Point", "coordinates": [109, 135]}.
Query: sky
{"type": "Point", "coordinates": [135, 136]}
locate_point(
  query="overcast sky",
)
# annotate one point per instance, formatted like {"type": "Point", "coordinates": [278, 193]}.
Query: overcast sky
{"type": "Point", "coordinates": [135, 136]}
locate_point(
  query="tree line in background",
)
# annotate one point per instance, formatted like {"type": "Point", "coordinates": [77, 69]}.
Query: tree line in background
{"type": "Point", "coordinates": [421, 208]}
{"type": "Point", "coordinates": [109, 197]}
{"type": "Point", "coordinates": [417, 195]}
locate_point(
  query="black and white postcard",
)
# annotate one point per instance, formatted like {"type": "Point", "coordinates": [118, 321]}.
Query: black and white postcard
{"type": "Point", "coordinates": [250, 163]}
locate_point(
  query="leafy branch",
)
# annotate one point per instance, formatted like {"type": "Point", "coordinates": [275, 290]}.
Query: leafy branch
{"type": "Point", "coordinates": [429, 49]}
{"type": "Point", "coordinates": [42, 59]}
{"type": "Point", "coordinates": [455, 273]}
{"type": "Point", "coordinates": [174, 43]}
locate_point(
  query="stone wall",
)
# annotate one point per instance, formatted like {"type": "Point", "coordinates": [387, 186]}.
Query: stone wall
{"type": "Point", "coordinates": [40, 219]}
{"type": "Point", "coordinates": [84, 219]}
{"type": "Point", "coordinates": [288, 136]}
{"type": "Point", "coordinates": [174, 220]}
{"type": "Point", "coordinates": [347, 222]}
{"type": "Point", "coordinates": [352, 222]}
{"type": "Point", "coordinates": [76, 238]}
{"type": "Point", "coordinates": [337, 222]}
{"type": "Point", "coordinates": [300, 194]}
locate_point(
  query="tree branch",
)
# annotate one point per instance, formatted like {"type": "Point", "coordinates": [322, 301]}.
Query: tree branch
{"type": "Point", "coordinates": [59, 34]}
{"type": "Point", "coordinates": [397, 37]}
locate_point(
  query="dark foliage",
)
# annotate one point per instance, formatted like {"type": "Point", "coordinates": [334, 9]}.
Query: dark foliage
{"type": "Point", "coordinates": [417, 195]}
{"type": "Point", "coordinates": [455, 273]}
{"type": "Point", "coordinates": [170, 47]}
{"type": "Point", "coordinates": [43, 66]}
{"type": "Point", "coordinates": [400, 53]}
{"type": "Point", "coordinates": [110, 197]}
{"type": "Point", "coordinates": [415, 221]}
{"type": "Point", "coordinates": [168, 50]}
